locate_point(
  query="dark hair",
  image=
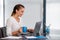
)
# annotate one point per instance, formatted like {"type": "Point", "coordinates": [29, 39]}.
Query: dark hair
{"type": "Point", "coordinates": [17, 7]}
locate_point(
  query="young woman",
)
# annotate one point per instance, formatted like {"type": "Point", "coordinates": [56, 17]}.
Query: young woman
{"type": "Point", "coordinates": [14, 22]}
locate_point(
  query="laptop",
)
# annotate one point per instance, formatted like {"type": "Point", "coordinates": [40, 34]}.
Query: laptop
{"type": "Point", "coordinates": [37, 29]}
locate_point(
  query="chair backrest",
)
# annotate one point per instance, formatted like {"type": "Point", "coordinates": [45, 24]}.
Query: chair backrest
{"type": "Point", "coordinates": [0, 33]}
{"type": "Point", "coordinates": [4, 31]}
{"type": "Point", "coordinates": [37, 28]}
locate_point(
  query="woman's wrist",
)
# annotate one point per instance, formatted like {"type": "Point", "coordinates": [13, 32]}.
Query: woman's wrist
{"type": "Point", "coordinates": [15, 33]}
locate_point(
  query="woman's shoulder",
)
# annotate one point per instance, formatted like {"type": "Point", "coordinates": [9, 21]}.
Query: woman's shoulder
{"type": "Point", "coordinates": [10, 19]}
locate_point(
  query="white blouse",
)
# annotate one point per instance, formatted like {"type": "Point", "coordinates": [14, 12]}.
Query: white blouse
{"type": "Point", "coordinates": [13, 25]}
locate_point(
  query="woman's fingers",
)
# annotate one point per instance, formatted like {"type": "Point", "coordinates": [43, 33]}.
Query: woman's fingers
{"type": "Point", "coordinates": [20, 29]}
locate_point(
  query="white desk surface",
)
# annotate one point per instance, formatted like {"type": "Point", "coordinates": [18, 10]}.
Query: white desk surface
{"type": "Point", "coordinates": [14, 37]}
{"type": "Point", "coordinates": [18, 37]}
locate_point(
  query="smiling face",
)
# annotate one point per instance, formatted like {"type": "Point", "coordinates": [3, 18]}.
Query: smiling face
{"type": "Point", "coordinates": [20, 12]}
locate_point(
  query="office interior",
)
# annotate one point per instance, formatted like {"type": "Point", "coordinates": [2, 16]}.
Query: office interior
{"type": "Point", "coordinates": [44, 11]}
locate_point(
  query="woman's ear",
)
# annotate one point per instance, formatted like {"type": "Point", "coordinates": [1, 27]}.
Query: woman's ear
{"type": "Point", "coordinates": [16, 11]}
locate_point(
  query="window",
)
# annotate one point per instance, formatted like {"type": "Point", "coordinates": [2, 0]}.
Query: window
{"type": "Point", "coordinates": [1, 13]}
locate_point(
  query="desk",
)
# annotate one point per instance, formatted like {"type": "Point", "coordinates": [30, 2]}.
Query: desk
{"type": "Point", "coordinates": [22, 38]}
{"type": "Point", "coordinates": [36, 38]}
{"type": "Point", "coordinates": [11, 38]}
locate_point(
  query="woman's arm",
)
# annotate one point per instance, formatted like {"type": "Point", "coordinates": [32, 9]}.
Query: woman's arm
{"type": "Point", "coordinates": [15, 33]}
{"type": "Point", "coordinates": [30, 30]}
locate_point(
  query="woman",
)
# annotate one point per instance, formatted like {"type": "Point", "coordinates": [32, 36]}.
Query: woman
{"type": "Point", "coordinates": [14, 22]}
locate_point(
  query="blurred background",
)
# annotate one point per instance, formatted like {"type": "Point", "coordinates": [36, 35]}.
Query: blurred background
{"type": "Point", "coordinates": [34, 13]}
{"type": "Point", "coordinates": [1, 13]}
{"type": "Point", "coordinates": [53, 18]}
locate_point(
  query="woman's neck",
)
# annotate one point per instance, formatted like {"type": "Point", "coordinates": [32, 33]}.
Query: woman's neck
{"type": "Point", "coordinates": [15, 16]}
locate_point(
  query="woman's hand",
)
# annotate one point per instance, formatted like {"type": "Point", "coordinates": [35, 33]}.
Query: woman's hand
{"type": "Point", "coordinates": [15, 33]}
{"type": "Point", "coordinates": [30, 30]}
{"type": "Point", "coordinates": [20, 30]}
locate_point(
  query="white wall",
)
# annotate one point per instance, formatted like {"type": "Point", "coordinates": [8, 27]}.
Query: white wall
{"type": "Point", "coordinates": [32, 14]}
{"type": "Point", "coordinates": [1, 13]}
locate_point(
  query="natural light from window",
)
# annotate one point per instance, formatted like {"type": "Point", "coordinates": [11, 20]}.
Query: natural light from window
{"type": "Point", "coordinates": [53, 15]}
{"type": "Point", "coordinates": [1, 13]}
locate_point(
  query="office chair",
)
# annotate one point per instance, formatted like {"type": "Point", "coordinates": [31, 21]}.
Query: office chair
{"type": "Point", "coordinates": [0, 33]}
{"type": "Point", "coordinates": [3, 29]}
